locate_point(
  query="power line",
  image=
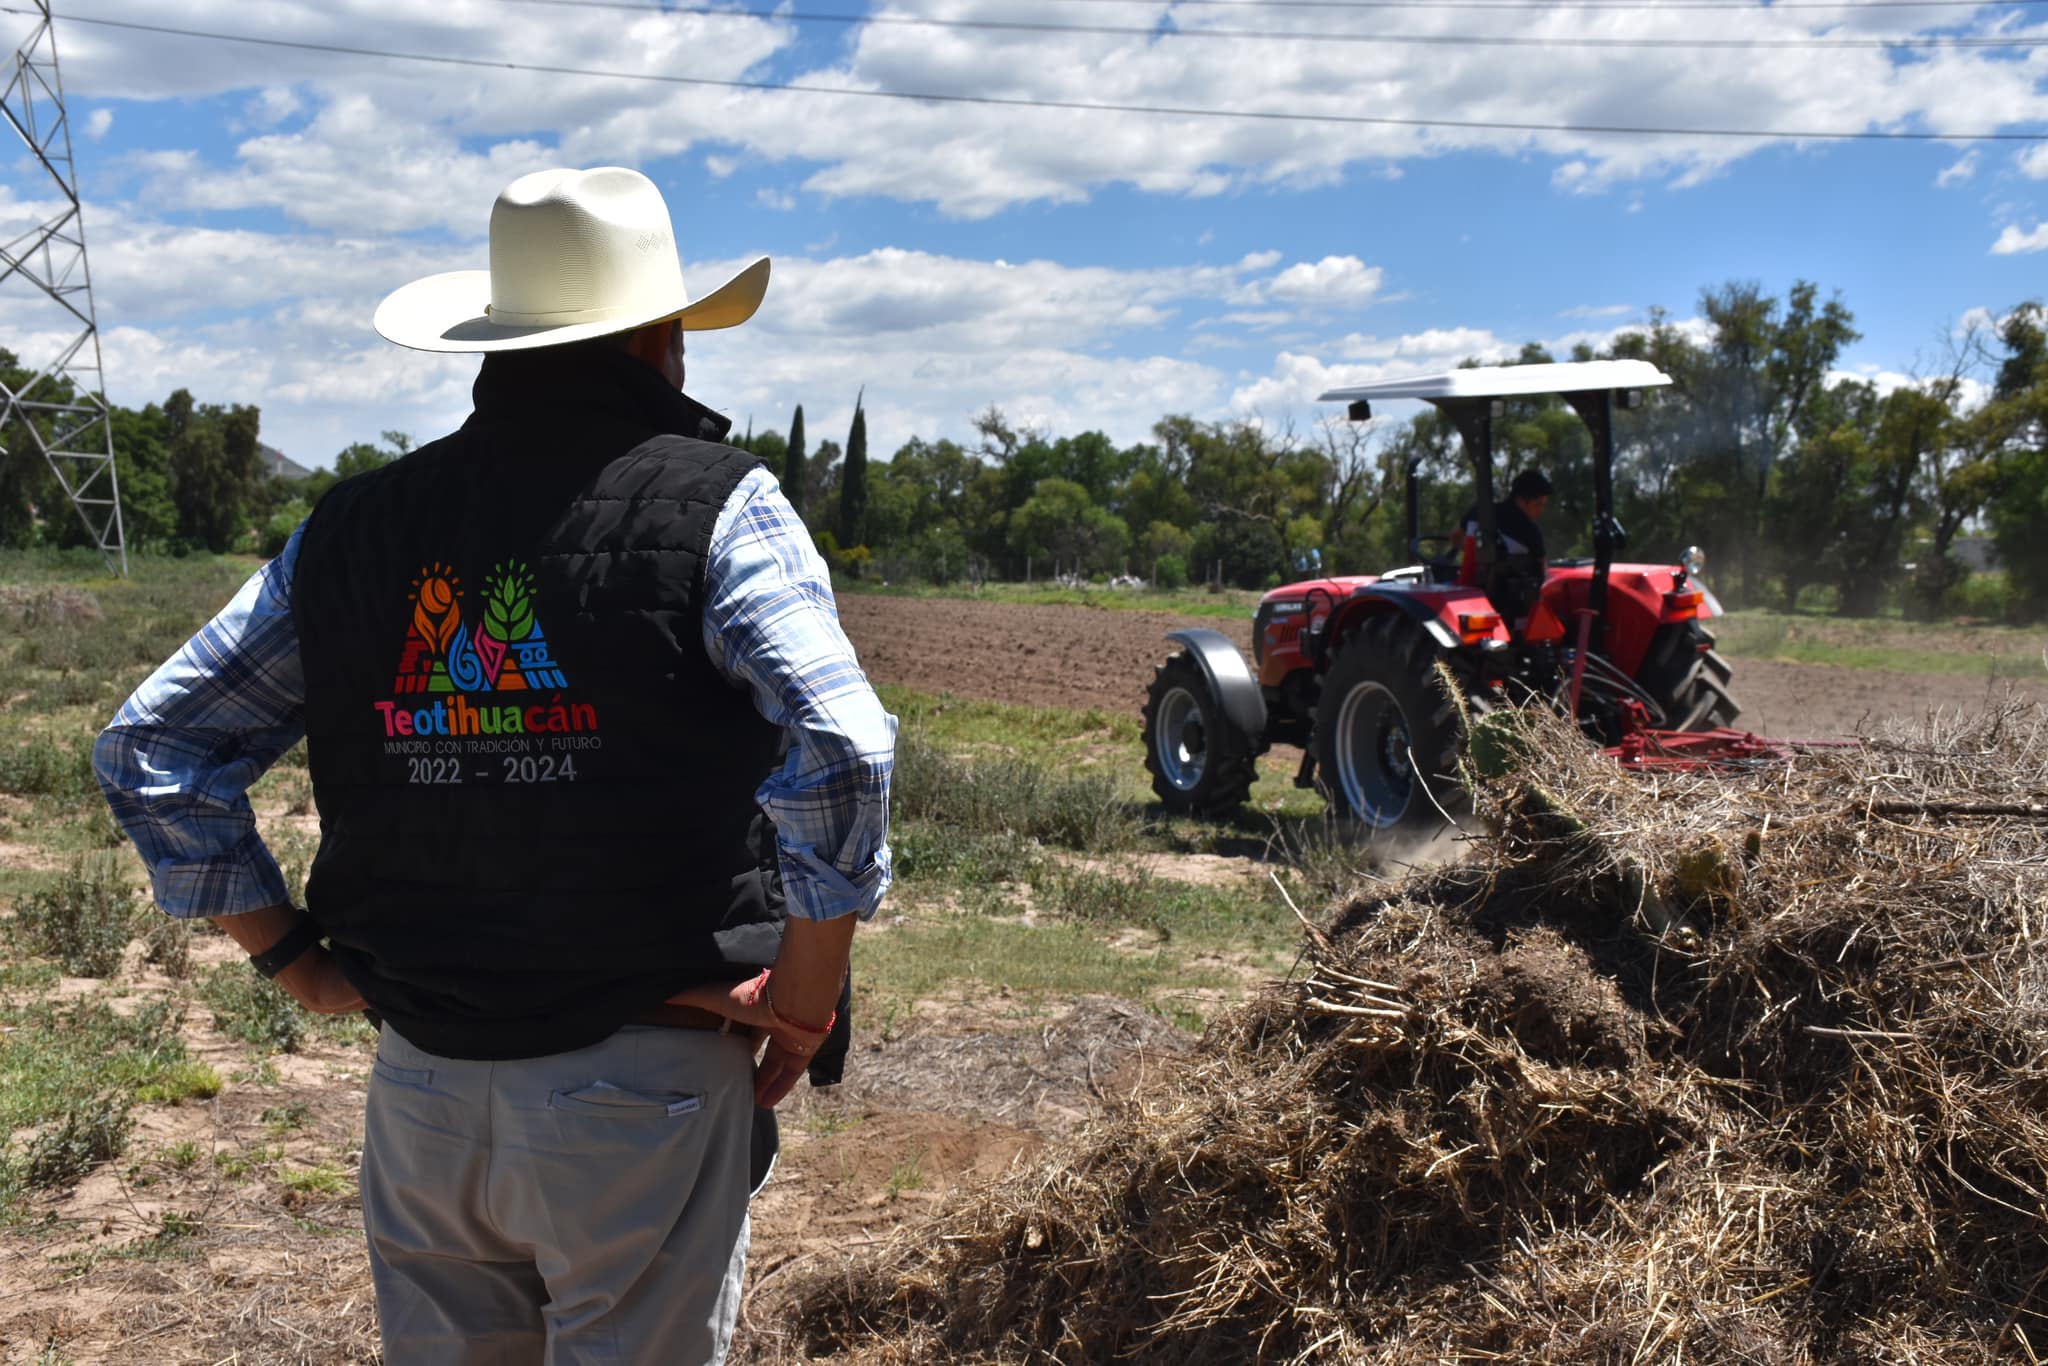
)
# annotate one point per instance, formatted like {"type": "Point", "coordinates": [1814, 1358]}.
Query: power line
{"type": "Point", "coordinates": [1257, 35]}
{"type": "Point", "coordinates": [1171, 111]}
{"type": "Point", "coordinates": [1568, 5]}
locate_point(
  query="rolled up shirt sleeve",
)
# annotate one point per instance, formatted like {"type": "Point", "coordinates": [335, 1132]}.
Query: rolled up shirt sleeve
{"type": "Point", "coordinates": [770, 623]}
{"type": "Point", "coordinates": [179, 758]}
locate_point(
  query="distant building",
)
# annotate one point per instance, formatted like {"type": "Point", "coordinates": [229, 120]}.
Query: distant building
{"type": "Point", "coordinates": [278, 465]}
{"type": "Point", "coordinates": [1977, 554]}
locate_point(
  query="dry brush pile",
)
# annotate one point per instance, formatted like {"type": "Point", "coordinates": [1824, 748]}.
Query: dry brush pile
{"type": "Point", "coordinates": [1742, 1067]}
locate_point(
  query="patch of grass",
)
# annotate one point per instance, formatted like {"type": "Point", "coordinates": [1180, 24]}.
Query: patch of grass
{"type": "Point", "coordinates": [825, 1121]}
{"type": "Point", "coordinates": [264, 1073]}
{"type": "Point", "coordinates": [908, 1174]}
{"type": "Point", "coordinates": [84, 921]}
{"type": "Point", "coordinates": [252, 1008]}
{"type": "Point", "coordinates": [182, 1154]}
{"type": "Point", "coordinates": [919, 960]}
{"type": "Point", "coordinates": [323, 1180]}
{"type": "Point", "coordinates": [1026, 732]}
{"type": "Point", "coordinates": [1003, 796]}
{"type": "Point", "coordinates": [281, 1119]}
{"type": "Point", "coordinates": [239, 1164]}
{"type": "Point", "coordinates": [1878, 643]}
{"type": "Point", "coordinates": [181, 1081]}
{"type": "Point", "coordinates": [33, 975]}
{"type": "Point", "coordinates": [62, 1057]}
{"type": "Point", "coordinates": [1187, 602]}
{"type": "Point", "coordinates": [1200, 918]}
{"type": "Point", "coordinates": [927, 850]}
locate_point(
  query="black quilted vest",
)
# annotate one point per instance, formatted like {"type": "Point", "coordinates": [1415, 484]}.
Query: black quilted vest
{"type": "Point", "coordinates": [536, 793]}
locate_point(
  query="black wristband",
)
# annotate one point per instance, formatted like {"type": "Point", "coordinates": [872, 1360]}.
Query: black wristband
{"type": "Point", "coordinates": [285, 952]}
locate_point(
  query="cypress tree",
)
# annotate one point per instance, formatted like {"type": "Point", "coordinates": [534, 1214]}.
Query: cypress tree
{"type": "Point", "coordinates": [853, 484]}
{"type": "Point", "coordinates": [793, 463]}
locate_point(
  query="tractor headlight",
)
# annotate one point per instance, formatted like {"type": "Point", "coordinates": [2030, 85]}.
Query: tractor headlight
{"type": "Point", "coordinates": [1695, 561]}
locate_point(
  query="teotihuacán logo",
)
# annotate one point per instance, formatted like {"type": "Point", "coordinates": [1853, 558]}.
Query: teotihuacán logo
{"type": "Point", "coordinates": [469, 688]}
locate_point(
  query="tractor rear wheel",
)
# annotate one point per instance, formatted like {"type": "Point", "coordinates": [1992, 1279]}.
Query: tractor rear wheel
{"type": "Point", "coordinates": [1387, 732]}
{"type": "Point", "coordinates": [1689, 679]}
{"type": "Point", "coordinates": [1201, 763]}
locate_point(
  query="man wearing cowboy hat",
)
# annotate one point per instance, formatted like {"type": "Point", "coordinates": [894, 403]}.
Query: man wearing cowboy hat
{"type": "Point", "coordinates": [602, 791]}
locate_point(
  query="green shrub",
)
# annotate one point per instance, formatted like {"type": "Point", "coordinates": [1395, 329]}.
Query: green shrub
{"type": "Point", "coordinates": [283, 522]}
{"type": "Point", "coordinates": [252, 1008]}
{"type": "Point", "coordinates": [1003, 796]}
{"type": "Point", "coordinates": [44, 767]}
{"type": "Point", "coordinates": [1171, 571]}
{"type": "Point", "coordinates": [927, 850]}
{"type": "Point", "coordinates": [167, 942]}
{"type": "Point", "coordinates": [84, 922]}
{"type": "Point", "coordinates": [1988, 596]}
{"type": "Point", "coordinates": [92, 1130]}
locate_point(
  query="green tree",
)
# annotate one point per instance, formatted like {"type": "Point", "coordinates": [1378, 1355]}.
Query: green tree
{"type": "Point", "coordinates": [793, 474]}
{"type": "Point", "coordinates": [26, 485]}
{"type": "Point", "coordinates": [1058, 524]}
{"type": "Point", "coordinates": [142, 457]}
{"type": "Point", "coordinates": [853, 483]}
{"type": "Point", "coordinates": [2016, 421]}
{"type": "Point", "coordinates": [1738, 405]}
{"type": "Point", "coordinates": [215, 466]}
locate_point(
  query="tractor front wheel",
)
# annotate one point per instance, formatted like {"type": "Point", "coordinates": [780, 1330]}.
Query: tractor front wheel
{"type": "Point", "coordinates": [1689, 678]}
{"type": "Point", "coordinates": [1201, 763]}
{"type": "Point", "coordinates": [1387, 732]}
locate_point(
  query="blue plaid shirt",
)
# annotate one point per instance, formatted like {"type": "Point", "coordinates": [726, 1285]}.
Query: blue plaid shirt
{"type": "Point", "coordinates": [178, 761]}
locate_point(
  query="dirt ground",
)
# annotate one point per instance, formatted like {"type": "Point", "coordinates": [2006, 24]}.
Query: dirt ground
{"type": "Point", "coordinates": [238, 1257]}
{"type": "Point", "coordinates": [1098, 657]}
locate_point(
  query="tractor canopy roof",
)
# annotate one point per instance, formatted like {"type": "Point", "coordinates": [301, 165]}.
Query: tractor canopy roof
{"type": "Point", "coordinates": [1505, 381]}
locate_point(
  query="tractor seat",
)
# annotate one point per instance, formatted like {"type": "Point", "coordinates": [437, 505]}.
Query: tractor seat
{"type": "Point", "coordinates": [1515, 585]}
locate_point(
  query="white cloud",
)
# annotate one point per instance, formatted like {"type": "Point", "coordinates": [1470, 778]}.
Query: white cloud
{"type": "Point", "coordinates": [281, 319]}
{"type": "Point", "coordinates": [2033, 162]}
{"type": "Point", "coordinates": [2012, 241]}
{"type": "Point", "coordinates": [98, 122]}
{"type": "Point", "coordinates": [1598, 311]}
{"type": "Point", "coordinates": [1969, 392]}
{"type": "Point", "coordinates": [272, 105]}
{"type": "Point", "coordinates": [770, 198]}
{"type": "Point", "coordinates": [1333, 282]}
{"type": "Point", "coordinates": [1958, 171]}
{"type": "Point", "coordinates": [457, 128]}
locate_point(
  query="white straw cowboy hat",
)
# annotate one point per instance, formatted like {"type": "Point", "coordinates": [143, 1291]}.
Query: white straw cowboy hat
{"type": "Point", "coordinates": [574, 254]}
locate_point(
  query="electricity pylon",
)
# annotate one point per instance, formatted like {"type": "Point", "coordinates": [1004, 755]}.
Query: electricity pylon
{"type": "Point", "coordinates": [46, 287]}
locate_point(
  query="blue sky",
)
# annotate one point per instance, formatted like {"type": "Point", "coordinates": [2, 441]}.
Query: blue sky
{"type": "Point", "coordinates": [247, 207]}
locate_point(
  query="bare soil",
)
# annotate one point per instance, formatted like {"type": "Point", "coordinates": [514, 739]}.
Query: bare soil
{"type": "Point", "coordinates": [225, 1257]}
{"type": "Point", "coordinates": [1099, 657]}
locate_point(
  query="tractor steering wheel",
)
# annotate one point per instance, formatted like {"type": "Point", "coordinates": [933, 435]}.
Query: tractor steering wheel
{"type": "Point", "coordinates": [1444, 559]}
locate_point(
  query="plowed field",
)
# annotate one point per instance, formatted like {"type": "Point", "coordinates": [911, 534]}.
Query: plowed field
{"type": "Point", "coordinates": [1097, 657]}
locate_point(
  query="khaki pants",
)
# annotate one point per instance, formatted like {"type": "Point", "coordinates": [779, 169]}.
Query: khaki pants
{"type": "Point", "coordinates": [581, 1208]}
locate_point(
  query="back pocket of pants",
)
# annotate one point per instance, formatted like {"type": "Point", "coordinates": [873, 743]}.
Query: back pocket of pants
{"type": "Point", "coordinates": [419, 1078]}
{"type": "Point", "coordinates": [616, 1102]}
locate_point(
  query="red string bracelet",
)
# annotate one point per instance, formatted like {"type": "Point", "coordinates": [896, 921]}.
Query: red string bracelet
{"type": "Point", "coordinates": [768, 989]}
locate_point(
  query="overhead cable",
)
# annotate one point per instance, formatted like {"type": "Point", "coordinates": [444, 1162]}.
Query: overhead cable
{"type": "Point", "coordinates": [778, 15]}
{"type": "Point", "coordinates": [1565, 6]}
{"type": "Point", "coordinates": [1171, 111]}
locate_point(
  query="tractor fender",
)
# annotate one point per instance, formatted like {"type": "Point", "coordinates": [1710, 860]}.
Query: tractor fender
{"type": "Point", "coordinates": [1228, 677]}
{"type": "Point", "coordinates": [1423, 614]}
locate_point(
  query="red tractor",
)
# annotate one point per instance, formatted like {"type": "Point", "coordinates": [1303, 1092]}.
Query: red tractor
{"type": "Point", "coordinates": [1347, 667]}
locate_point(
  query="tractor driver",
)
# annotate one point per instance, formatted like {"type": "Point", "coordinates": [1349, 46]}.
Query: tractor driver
{"type": "Point", "coordinates": [1516, 518]}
